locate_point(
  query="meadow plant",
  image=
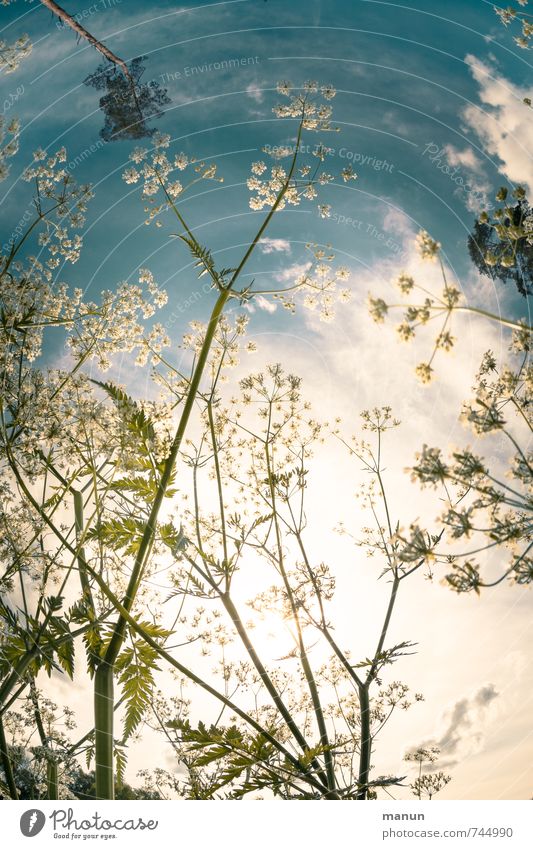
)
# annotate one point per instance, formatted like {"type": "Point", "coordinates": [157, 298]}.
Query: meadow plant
{"type": "Point", "coordinates": [87, 469]}
{"type": "Point", "coordinates": [109, 499]}
{"type": "Point", "coordinates": [488, 502]}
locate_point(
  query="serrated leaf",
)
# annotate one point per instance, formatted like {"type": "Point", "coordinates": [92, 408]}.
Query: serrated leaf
{"type": "Point", "coordinates": [145, 488]}
{"type": "Point", "coordinates": [174, 539]}
{"type": "Point", "coordinates": [124, 533]}
{"type": "Point", "coordinates": [137, 664]}
{"type": "Point", "coordinates": [121, 760]}
{"type": "Point", "coordinates": [115, 393]}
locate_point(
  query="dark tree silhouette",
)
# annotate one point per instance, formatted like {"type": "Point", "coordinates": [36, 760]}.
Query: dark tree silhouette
{"type": "Point", "coordinates": [501, 247]}
{"type": "Point", "coordinates": [81, 784]}
{"type": "Point", "coordinates": [127, 103]}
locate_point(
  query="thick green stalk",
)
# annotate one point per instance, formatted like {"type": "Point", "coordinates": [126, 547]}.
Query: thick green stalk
{"type": "Point", "coordinates": [103, 683]}
{"type": "Point", "coordinates": [6, 762]}
{"type": "Point", "coordinates": [366, 742]}
{"type": "Point", "coordinates": [52, 782]}
{"type": "Point", "coordinates": [78, 518]}
{"type": "Point", "coordinates": [150, 528]}
{"type": "Point", "coordinates": [103, 731]}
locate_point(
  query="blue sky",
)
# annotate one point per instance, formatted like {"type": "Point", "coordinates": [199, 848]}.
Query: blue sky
{"type": "Point", "coordinates": [422, 87]}
{"type": "Point", "coordinates": [403, 83]}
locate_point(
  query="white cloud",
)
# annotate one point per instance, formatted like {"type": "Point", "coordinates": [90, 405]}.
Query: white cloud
{"type": "Point", "coordinates": [261, 303]}
{"type": "Point", "coordinates": [255, 92]}
{"type": "Point", "coordinates": [463, 728]}
{"type": "Point", "coordinates": [465, 158]}
{"type": "Point", "coordinates": [269, 246]}
{"type": "Point", "coordinates": [292, 272]}
{"type": "Point", "coordinates": [264, 304]}
{"type": "Point", "coordinates": [503, 125]}
{"type": "Point", "coordinates": [476, 187]}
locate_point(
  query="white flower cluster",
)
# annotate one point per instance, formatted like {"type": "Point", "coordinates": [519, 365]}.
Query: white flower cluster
{"type": "Point", "coordinates": [226, 345]}
{"type": "Point", "coordinates": [158, 174]}
{"type": "Point", "coordinates": [9, 143]}
{"type": "Point", "coordinates": [11, 55]}
{"type": "Point", "coordinates": [29, 301]}
{"type": "Point", "coordinates": [268, 189]}
{"type": "Point", "coordinates": [281, 186]}
{"type": "Point", "coordinates": [115, 325]}
{"type": "Point", "coordinates": [306, 105]}
{"type": "Point", "coordinates": [67, 205]}
{"type": "Point", "coordinates": [427, 247]}
{"type": "Point", "coordinates": [320, 285]}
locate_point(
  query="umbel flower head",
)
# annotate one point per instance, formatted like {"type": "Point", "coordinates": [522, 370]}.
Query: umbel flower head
{"type": "Point", "coordinates": [9, 143]}
{"type": "Point", "coordinates": [417, 315]}
{"type": "Point", "coordinates": [319, 282]}
{"type": "Point", "coordinates": [11, 55]}
{"type": "Point", "coordinates": [158, 171]}
{"type": "Point", "coordinates": [68, 201]}
{"type": "Point", "coordinates": [310, 106]}
{"type": "Point", "coordinates": [427, 247]}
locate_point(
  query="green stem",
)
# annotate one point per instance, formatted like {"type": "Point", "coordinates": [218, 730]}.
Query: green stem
{"type": "Point", "coordinates": [138, 629]}
{"type": "Point", "coordinates": [78, 518]}
{"type": "Point", "coordinates": [366, 742]}
{"type": "Point", "coordinates": [507, 322]}
{"type": "Point", "coordinates": [117, 638]}
{"type": "Point", "coordinates": [150, 528]}
{"type": "Point", "coordinates": [6, 762]}
{"type": "Point", "coordinates": [265, 678]}
{"type": "Point", "coordinates": [219, 488]}
{"type": "Point", "coordinates": [52, 790]}
{"type": "Point", "coordinates": [377, 654]}
{"type": "Point", "coordinates": [306, 666]}
{"type": "Point", "coordinates": [103, 731]}
{"type": "Point", "coordinates": [52, 782]}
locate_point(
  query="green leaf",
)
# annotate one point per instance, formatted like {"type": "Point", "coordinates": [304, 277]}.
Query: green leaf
{"type": "Point", "coordinates": [137, 681]}
{"type": "Point", "coordinates": [121, 760]}
{"type": "Point", "coordinates": [174, 539]}
{"type": "Point", "coordinates": [118, 395]}
{"type": "Point", "coordinates": [140, 487]}
{"type": "Point", "coordinates": [125, 533]}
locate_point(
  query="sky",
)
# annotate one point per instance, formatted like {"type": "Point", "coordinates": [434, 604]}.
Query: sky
{"type": "Point", "coordinates": [423, 88]}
